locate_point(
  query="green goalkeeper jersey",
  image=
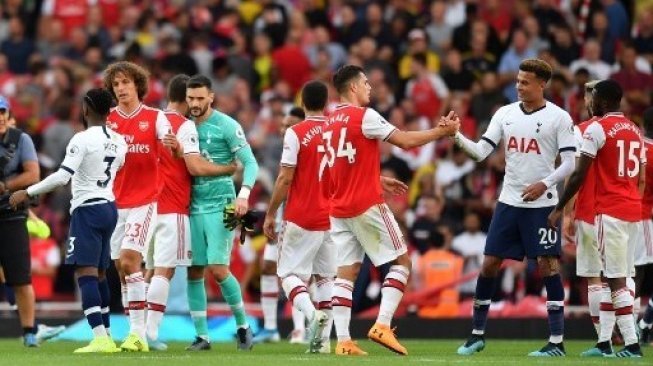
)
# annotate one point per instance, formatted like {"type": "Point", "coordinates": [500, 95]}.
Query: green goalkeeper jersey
{"type": "Point", "coordinates": [221, 141]}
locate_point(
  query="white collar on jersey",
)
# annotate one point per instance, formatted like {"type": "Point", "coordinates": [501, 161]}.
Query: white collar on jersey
{"type": "Point", "coordinates": [132, 114]}
{"type": "Point", "coordinates": [613, 114]}
{"type": "Point", "coordinates": [316, 118]}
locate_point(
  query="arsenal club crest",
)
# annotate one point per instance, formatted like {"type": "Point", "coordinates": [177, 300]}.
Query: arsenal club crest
{"type": "Point", "coordinates": [143, 125]}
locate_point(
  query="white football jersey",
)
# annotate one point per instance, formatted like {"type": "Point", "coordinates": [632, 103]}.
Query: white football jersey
{"type": "Point", "coordinates": [93, 157]}
{"type": "Point", "coordinates": [532, 143]}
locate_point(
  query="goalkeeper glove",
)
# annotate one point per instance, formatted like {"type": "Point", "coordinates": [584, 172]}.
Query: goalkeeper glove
{"type": "Point", "coordinates": [229, 218]}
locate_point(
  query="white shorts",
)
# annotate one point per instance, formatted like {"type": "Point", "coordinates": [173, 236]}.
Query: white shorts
{"type": "Point", "coordinates": [644, 243]}
{"type": "Point", "coordinates": [271, 252]}
{"type": "Point", "coordinates": [134, 229]}
{"type": "Point", "coordinates": [304, 253]}
{"type": "Point", "coordinates": [616, 240]}
{"type": "Point", "coordinates": [171, 246]}
{"type": "Point", "coordinates": [374, 232]}
{"type": "Point", "coordinates": [588, 260]}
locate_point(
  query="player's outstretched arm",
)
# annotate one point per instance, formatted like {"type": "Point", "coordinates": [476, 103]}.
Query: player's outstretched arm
{"type": "Point", "coordinates": [279, 194]}
{"type": "Point", "coordinates": [250, 172]}
{"type": "Point", "coordinates": [409, 139]}
{"type": "Point", "coordinates": [199, 167]}
{"type": "Point", "coordinates": [54, 180]}
{"type": "Point", "coordinates": [475, 150]}
{"type": "Point", "coordinates": [573, 185]}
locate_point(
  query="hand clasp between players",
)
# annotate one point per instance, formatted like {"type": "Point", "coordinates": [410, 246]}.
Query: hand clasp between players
{"type": "Point", "coordinates": [450, 123]}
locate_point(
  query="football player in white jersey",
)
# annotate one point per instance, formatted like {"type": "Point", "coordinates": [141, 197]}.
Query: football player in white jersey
{"type": "Point", "coordinates": [92, 159]}
{"type": "Point", "coordinates": [535, 131]}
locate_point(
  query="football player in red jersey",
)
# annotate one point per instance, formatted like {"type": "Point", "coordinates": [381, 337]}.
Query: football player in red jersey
{"type": "Point", "coordinates": [616, 147]}
{"type": "Point", "coordinates": [135, 188]}
{"type": "Point", "coordinates": [361, 222]}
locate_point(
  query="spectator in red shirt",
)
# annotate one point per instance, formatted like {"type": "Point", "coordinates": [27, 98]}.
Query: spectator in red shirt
{"type": "Point", "coordinates": [290, 63]}
{"type": "Point", "coordinates": [637, 86]}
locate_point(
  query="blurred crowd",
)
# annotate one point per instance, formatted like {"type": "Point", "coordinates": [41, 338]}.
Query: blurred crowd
{"type": "Point", "coordinates": [423, 58]}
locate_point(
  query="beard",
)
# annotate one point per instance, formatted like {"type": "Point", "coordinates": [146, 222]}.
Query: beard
{"type": "Point", "coordinates": [198, 111]}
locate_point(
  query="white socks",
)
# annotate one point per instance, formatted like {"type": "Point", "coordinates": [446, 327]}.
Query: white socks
{"type": "Point", "coordinates": [623, 308]}
{"type": "Point", "coordinates": [157, 297]}
{"type": "Point", "coordinates": [136, 297]}
{"type": "Point", "coordinates": [594, 300]}
{"type": "Point", "coordinates": [269, 300]}
{"type": "Point", "coordinates": [392, 292]}
{"type": "Point", "coordinates": [297, 294]}
{"type": "Point", "coordinates": [341, 303]}
{"type": "Point", "coordinates": [323, 299]}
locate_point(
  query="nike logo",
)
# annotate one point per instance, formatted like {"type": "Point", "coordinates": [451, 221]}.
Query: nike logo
{"type": "Point", "coordinates": [548, 246]}
{"type": "Point", "coordinates": [508, 123]}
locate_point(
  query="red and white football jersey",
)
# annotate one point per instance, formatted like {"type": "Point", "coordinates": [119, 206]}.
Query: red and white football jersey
{"type": "Point", "coordinates": [352, 149]}
{"type": "Point", "coordinates": [617, 146]}
{"type": "Point", "coordinates": [584, 207]}
{"type": "Point", "coordinates": [176, 181]}
{"type": "Point", "coordinates": [137, 182]}
{"type": "Point", "coordinates": [307, 204]}
{"type": "Point", "coordinates": [647, 199]}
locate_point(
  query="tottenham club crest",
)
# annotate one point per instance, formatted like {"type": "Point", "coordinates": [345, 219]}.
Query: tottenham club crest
{"type": "Point", "coordinates": [143, 125]}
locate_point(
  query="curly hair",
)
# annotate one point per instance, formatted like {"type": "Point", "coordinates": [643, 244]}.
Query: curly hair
{"type": "Point", "coordinates": [139, 75]}
{"type": "Point", "coordinates": [540, 68]}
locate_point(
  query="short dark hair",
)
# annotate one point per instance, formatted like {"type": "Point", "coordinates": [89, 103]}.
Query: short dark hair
{"type": "Point", "coordinates": [420, 58]}
{"type": "Point", "coordinates": [609, 92]}
{"type": "Point", "coordinates": [297, 112]}
{"type": "Point", "coordinates": [315, 95]}
{"type": "Point", "coordinates": [177, 88]}
{"type": "Point", "coordinates": [199, 81]}
{"type": "Point", "coordinates": [540, 68]}
{"type": "Point", "coordinates": [344, 76]}
{"type": "Point", "coordinates": [139, 75]}
{"type": "Point", "coordinates": [99, 101]}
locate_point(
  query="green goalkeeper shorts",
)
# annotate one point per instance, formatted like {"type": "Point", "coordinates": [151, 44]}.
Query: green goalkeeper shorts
{"type": "Point", "coordinates": [211, 241]}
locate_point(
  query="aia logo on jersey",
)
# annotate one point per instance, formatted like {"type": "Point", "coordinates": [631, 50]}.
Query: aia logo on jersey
{"type": "Point", "coordinates": [143, 125]}
{"type": "Point", "coordinates": [523, 145]}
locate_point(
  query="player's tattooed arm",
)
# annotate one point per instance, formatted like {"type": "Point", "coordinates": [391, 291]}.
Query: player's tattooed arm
{"type": "Point", "coordinates": [573, 185]}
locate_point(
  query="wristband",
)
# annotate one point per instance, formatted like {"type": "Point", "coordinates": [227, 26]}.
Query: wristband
{"type": "Point", "coordinates": [244, 192]}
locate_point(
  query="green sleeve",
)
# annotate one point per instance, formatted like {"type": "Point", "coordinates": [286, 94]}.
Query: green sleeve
{"type": "Point", "coordinates": [246, 157]}
{"type": "Point", "coordinates": [235, 136]}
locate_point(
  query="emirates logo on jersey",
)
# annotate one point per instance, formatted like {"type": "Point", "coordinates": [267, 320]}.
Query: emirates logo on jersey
{"type": "Point", "coordinates": [143, 125]}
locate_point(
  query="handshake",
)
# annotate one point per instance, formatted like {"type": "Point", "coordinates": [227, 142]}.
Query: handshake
{"type": "Point", "coordinates": [449, 124]}
{"type": "Point", "coordinates": [247, 222]}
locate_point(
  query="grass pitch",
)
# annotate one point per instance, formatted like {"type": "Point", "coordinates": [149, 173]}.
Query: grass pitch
{"type": "Point", "coordinates": [421, 352]}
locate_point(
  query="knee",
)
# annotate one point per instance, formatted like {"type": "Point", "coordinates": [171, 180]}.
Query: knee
{"type": "Point", "coordinates": [404, 260]}
{"type": "Point", "coordinates": [491, 267]}
{"type": "Point", "coordinates": [269, 268]}
{"type": "Point", "coordinates": [195, 273]}
{"type": "Point", "coordinates": [349, 272]}
{"type": "Point", "coordinates": [548, 266]}
{"type": "Point", "coordinates": [220, 273]}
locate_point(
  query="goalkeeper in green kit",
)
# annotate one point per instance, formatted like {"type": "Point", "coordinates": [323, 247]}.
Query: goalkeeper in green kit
{"type": "Point", "coordinates": [221, 140]}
